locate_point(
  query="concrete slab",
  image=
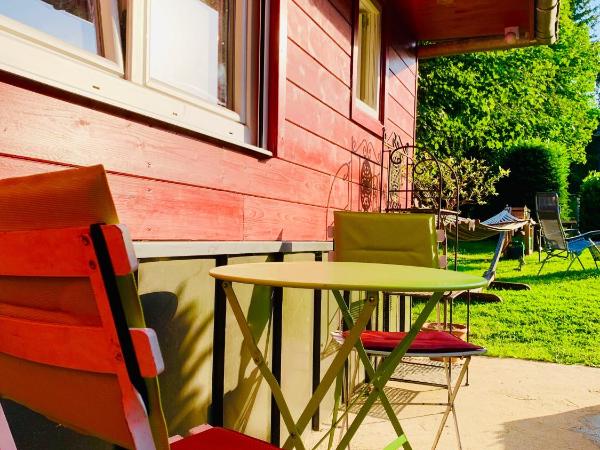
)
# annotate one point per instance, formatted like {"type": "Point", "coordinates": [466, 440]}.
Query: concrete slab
{"type": "Point", "coordinates": [509, 404]}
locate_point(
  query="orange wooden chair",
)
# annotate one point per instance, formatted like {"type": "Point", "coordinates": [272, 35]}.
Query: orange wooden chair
{"type": "Point", "coordinates": [73, 343]}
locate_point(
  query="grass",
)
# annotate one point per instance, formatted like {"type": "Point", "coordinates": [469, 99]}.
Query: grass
{"type": "Point", "coordinates": [558, 320]}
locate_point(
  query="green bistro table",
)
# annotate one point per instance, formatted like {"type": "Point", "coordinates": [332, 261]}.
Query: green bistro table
{"type": "Point", "coordinates": [337, 277]}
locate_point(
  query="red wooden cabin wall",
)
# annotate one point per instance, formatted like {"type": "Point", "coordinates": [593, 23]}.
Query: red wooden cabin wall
{"type": "Point", "coordinates": [172, 186]}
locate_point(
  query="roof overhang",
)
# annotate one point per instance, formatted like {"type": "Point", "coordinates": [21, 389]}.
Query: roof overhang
{"type": "Point", "coordinates": [451, 27]}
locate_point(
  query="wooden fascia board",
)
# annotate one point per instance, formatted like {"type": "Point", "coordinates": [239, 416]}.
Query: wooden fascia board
{"type": "Point", "coordinates": [546, 32]}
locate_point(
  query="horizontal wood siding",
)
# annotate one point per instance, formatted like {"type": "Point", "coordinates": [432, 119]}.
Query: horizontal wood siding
{"type": "Point", "coordinates": [172, 186]}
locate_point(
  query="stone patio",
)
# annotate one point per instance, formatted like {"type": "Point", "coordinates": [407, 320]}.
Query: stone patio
{"type": "Point", "coordinates": [509, 404]}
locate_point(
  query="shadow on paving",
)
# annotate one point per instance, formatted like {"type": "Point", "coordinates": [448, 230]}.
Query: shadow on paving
{"type": "Point", "coordinates": [542, 432]}
{"type": "Point", "coordinates": [422, 370]}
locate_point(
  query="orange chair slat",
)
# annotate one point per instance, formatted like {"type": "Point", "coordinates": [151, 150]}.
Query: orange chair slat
{"type": "Point", "coordinates": [75, 347]}
{"type": "Point", "coordinates": [120, 249]}
{"type": "Point", "coordinates": [53, 253]}
{"type": "Point", "coordinates": [147, 351]}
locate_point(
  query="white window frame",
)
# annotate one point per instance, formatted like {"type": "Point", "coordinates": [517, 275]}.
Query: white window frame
{"type": "Point", "coordinates": [109, 18]}
{"type": "Point", "coordinates": [33, 54]}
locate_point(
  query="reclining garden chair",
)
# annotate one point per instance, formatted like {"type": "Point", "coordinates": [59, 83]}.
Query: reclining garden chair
{"type": "Point", "coordinates": [556, 242]}
{"type": "Point", "coordinates": [406, 239]}
{"type": "Point", "coordinates": [73, 343]}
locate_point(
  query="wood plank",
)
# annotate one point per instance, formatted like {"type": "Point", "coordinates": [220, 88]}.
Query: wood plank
{"type": "Point", "coordinates": [330, 20]}
{"type": "Point", "coordinates": [390, 128]}
{"type": "Point", "coordinates": [408, 53]}
{"type": "Point", "coordinates": [345, 8]}
{"type": "Point", "coordinates": [156, 210]}
{"type": "Point", "coordinates": [400, 69]}
{"type": "Point", "coordinates": [200, 214]}
{"type": "Point", "coordinates": [309, 75]}
{"type": "Point", "coordinates": [276, 220]}
{"type": "Point", "coordinates": [399, 116]}
{"type": "Point", "coordinates": [304, 147]}
{"type": "Point", "coordinates": [46, 253]}
{"type": "Point", "coordinates": [453, 20]}
{"type": "Point", "coordinates": [401, 94]}
{"type": "Point", "coordinates": [307, 112]}
{"type": "Point", "coordinates": [72, 347]}
{"type": "Point", "coordinates": [77, 136]}
{"type": "Point", "coordinates": [307, 35]}
{"type": "Point", "coordinates": [161, 211]}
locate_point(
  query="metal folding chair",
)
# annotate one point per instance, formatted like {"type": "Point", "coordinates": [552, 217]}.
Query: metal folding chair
{"type": "Point", "coordinates": [408, 239]}
{"type": "Point", "coordinates": [557, 244]}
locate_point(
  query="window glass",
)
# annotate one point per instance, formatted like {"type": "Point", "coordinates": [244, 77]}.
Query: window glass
{"type": "Point", "coordinates": [191, 47]}
{"type": "Point", "coordinates": [369, 53]}
{"type": "Point", "coordinates": [73, 21]}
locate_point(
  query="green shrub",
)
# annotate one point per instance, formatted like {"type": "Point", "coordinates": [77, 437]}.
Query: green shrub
{"type": "Point", "coordinates": [535, 166]}
{"type": "Point", "coordinates": [589, 214]}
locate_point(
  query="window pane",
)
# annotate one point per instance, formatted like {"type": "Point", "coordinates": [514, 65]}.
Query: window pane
{"type": "Point", "coordinates": [73, 21]}
{"type": "Point", "coordinates": [369, 52]}
{"type": "Point", "coordinates": [190, 47]}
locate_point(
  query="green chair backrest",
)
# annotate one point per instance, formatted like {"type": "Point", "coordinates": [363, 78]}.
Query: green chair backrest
{"type": "Point", "coordinates": [387, 238]}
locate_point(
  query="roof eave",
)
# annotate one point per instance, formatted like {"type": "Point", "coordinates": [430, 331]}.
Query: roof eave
{"type": "Point", "coordinates": [546, 32]}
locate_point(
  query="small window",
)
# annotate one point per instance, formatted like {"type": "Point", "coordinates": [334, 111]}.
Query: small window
{"type": "Point", "coordinates": [89, 25]}
{"type": "Point", "coordinates": [192, 63]}
{"type": "Point", "coordinates": [198, 58]}
{"type": "Point", "coordinates": [212, 60]}
{"type": "Point", "coordinates": [369, 54]}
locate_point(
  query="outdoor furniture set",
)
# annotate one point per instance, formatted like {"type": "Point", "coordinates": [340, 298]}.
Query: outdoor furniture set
{"type": "Point", "coordinates": [73, 341]}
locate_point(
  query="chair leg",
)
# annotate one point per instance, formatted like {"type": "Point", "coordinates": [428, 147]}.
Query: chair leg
{"type": "Point", "coordinates": [452, 391]}
{"type": "Point", "coordinates": [6, 440]}
{"type": "Point", "coordinates": [575, 257]}
{"type": "Point", "coordinates": [544, 262]}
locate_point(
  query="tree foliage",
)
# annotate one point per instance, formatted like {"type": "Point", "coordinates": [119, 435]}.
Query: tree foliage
{"type": "Point", "coordinates": [590, 202]}
{"type": "Point", "coordinates": [475, 181]}
{"type": "Point", "coordinates": [587, 12]}
{"type": "Point", "coordinates": [534, 167]}
{"type": "Point", "coordinates": [480, 104]}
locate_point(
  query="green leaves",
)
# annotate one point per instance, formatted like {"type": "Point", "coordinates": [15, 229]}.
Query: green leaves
{"type": "Point", "coordinates": [590, 203]}
{"type": "Point", "coordinates": [479, 105]}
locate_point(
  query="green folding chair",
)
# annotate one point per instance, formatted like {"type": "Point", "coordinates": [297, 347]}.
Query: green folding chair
{"type": "Point", "coordinates": [406, 239]}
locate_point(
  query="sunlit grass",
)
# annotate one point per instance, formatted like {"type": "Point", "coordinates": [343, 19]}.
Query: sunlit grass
{"type": "Point", "coordinates": [558, 320]}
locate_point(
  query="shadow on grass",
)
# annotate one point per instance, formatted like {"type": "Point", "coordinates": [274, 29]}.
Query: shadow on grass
{"type": "Point", "coordinates": [553, 277]}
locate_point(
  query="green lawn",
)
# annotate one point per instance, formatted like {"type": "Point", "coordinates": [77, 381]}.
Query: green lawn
{"type": "Point", "coordinates": [558, 320]}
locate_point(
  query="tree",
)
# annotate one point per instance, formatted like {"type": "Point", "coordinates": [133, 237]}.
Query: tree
{"type": "Point", "coordinates": [479, 105]}
{"type": "Point", "coordinates": [587, 12]}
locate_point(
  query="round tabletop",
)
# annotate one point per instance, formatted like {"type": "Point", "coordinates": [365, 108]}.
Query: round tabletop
{"type": "Point", "coordinates": [348, 276]}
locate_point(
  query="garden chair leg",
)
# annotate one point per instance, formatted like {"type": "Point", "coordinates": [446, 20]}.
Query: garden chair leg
{"type": "Point", "coordinates": [6, 439]}
{"type": "Point", "coordinates": [452, 391]}
{"type": "Point", "coordinates": [544, 263]}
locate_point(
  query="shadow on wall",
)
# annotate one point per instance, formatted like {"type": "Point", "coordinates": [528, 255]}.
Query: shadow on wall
{"type": "Point", "coordinates": [179, 331]}
{"type": "Point", "coordinates": [248, 385]}
{"type": "Point", "coordinates": [366, 178]}
{"type": "Point", "coordinates": [577, 429]}
{"type": "Point", "coordinates": [32, 431]}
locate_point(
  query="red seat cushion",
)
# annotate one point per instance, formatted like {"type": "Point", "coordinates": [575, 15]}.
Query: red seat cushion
{"type": "Point", "coordinates": [221, 439]}
{"type": "Point", "coordinates": [425, 342]}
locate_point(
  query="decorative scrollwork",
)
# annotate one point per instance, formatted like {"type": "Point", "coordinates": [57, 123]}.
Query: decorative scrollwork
{"type": "Point", "coordinates": [366, 185]}
{"type": "Point", "coordinates": [419, 180]}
